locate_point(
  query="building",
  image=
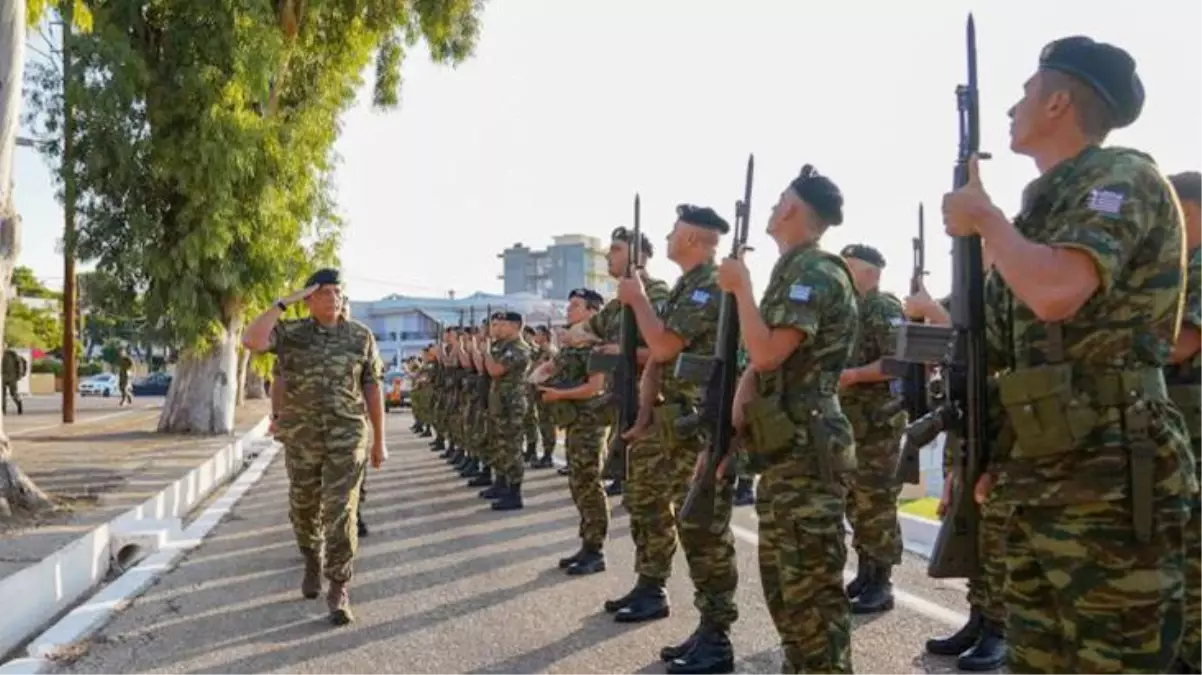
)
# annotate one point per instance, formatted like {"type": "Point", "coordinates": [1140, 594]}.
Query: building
{"type": "Point", "coordinates": [404, 325]}
{"type": "Point", "coordinates": [571, 261]}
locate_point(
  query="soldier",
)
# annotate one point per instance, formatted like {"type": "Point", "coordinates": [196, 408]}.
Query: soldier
{"type": "Point", "coordinates": [1184, 378]}
{"type": "Point", "coordinates": [585, 442]}
{"type": "Point", "coordinates": [332, 369]}
{"type": "Point", "coordinates": [662, 460]}
{"type": "Point", "coordinates": [745, 485]}
{"type": "Point", "coordinates": [15, 367]}
{"type": "Point", "coordinates": [125, 367]}
{"type": "Point", "coordinates": [871, 489]}
{"type": "Point", "coordinates": [606, 327]}
{"type": "Point", "coordinates": [530, 419]}
{"type": "Point", "coordinates": [478, 467]}
{"type": "Point", "coordinates": [799, 343]}
{"type": "Point", "coordinates": [480, 436]}
{"type": "Point", "coordinates": [980, 644]}
{"type": "Point", "coordinates": [507, 362]}
{"type": "Point", "coordinates": [545, 353]}
{"type": "Point", "coordinates": [1082, 307]}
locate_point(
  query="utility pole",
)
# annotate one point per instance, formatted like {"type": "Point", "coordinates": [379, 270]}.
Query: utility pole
{"type": "Point", "coordinates": [70, 370]}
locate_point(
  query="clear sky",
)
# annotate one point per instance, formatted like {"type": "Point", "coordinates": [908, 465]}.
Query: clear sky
{"type": "Point", "coordinates": [570, 106]}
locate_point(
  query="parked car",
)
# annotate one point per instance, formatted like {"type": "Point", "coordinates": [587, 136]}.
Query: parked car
{"type": "Point", "coordinates": [104, 384]}
{"type": "Point", "coordinates": [396, 390]}
{"type": "Point", "coordinates": [154, 384]}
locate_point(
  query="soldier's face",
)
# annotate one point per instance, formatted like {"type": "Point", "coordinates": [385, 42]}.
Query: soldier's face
{"type": "Point", "coordinates": [618, 253]}
{"type": "Point", "coordinates": [577, 310]}
{"type": "Point", "coordinates": [863, 274]}
{"type": "Point", "coordinates": [325, 302]}
{"type": "Point", "coordinates": [1034, 116]}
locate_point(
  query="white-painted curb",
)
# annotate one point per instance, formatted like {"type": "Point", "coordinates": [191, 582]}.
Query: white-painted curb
{"type": "Point", "coordinates": [37, 593]}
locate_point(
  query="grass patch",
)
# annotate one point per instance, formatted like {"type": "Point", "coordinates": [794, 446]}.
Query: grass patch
{"type": "Point", "coordinates": [923, 507]}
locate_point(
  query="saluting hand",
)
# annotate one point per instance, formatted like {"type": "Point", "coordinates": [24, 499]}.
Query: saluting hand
{"type": "Point", "coordinates": [965, 208]}
{"type": "Point", "coordinates": [300, 295]}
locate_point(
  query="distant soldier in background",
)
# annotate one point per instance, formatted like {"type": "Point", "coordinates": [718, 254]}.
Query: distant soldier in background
{"type": "Point", "coordinates": [507, 362]}
{"type": "Point", "coordinates": [125, 368]}
{"type": "Point", "coordinates": [15, 368]}
{"type": "Point", "coordinates": [544, 426]}
{"type": "Point", "coordinates": [332, 396]}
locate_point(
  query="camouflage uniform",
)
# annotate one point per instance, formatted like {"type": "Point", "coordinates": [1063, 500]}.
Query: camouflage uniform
{"type": "Point", "coordinates": [324, 429]}
{"type": "Point", "coordinates": [801, 498]}
{"type": "Point", "coordinates": [661, 466]}
{"type": "Point", "coordinates": [1100, 470]}
{"type": "Point", "coordinates": [1185, 388]}
{"type": "Point", "coordinates": [538, 423]}
{"type": "Point", "coordinates": [585, 445]}
{"type": "Point", "coordinates": [607, 325]}
{"type": "Point", "coordinates": [479, 436]}
{"type": "Point", "coordinates": [12, 375]}
{"type": "Point", "coordinates": [506, 407]}
{"type": "Point", "coordinates": [871, 489]}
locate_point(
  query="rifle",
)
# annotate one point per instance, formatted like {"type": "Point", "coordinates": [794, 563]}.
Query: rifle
{"type": "Point", "coordinates": [963, 413]}
{"type": "Point", "coordinates": [624, 367]}
{"type": "Point", "coordinates": [914, 397]}
{"type": "Point", "coordinates": [720, 375]}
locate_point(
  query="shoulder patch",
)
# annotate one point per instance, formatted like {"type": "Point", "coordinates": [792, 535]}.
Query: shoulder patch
{"type": "Point", "coordinates": [700, 296]}
{"type": "Point", "coordinates": [800, 293]}
{"type": "Point", "coordinates": [1107, 202]}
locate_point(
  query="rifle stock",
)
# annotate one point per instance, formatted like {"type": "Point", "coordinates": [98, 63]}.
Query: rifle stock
{"type": "Point", "coordinates": [962, 414]}
{"type": "Point", "coordinates": [721, 374]}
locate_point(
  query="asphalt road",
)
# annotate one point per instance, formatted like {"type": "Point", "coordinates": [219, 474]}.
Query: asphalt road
{"type": "Point", "coordinates": [44, 412]}
{"type": "Point", "coordinates": [445, 585]}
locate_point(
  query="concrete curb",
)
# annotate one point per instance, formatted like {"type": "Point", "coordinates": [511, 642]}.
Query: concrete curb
{"type": "Point", "coordinates": [39, 592]}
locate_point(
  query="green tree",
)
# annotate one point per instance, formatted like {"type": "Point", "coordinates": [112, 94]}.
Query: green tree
{"type": "Point", "coordinates": [204, 152]}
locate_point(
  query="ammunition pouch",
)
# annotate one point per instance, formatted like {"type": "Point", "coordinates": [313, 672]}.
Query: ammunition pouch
{"type": "Point", "coordinates": [1188, 399]}
{"type": "Point", "coordinates": [665, 416]}
{"type": "Point", "coordinates": [563, 413]}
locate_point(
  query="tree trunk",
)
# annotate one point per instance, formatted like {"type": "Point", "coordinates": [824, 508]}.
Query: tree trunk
{"type": "Point", "coordinates": [243, 372]}
{"type": "Point", "coordinates": [255, 387]}
{"type": "Point", "coordinates": [204, 389]}
{"type": "Point", "coordinates": [17, 491]}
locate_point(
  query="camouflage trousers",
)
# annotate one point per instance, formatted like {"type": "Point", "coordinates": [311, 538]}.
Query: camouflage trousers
{"type": "Point", "coordinates": [585, 446]}
{"type": "Point", "coordinates": [530, 418]}
{"type": "Point", "coordinates": [324, 479]}
{"type": "Point", "coordinates": [1191, 641]}
{"type": "Point", "coordinates": [872, 499]}
{"type": "Point", "coordinates": [802, 552]}
{"type": "Point", "coordinates": [505, 427]}
{"type": "Point", "coordinates": [546, 429]}
{"type": "Point", "coordinates": [1083, 596]}
{"type": "Point", "coordinates": [478, 442]}
{"type": "Point", "coordinates": [657, 480]}
{"type": "Point", "coordinates": [986, 586]}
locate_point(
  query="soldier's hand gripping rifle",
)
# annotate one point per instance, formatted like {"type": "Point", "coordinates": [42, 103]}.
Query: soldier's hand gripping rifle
{"type": "Point", "coordinates": [963, 413]}
{"type": "Point", "coordinates": [914, 398]}
{"type": "Point", "coordinates": [624, 382]}
{"type": "Point", "coordinates": [720, 375]}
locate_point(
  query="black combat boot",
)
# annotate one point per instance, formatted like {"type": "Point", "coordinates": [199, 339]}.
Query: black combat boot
{"type": "Point", "coordinates": [863, 574]}
{"type": "Point", "coordinates": [564, 471]}
{"type": "Point", "coordinates": [360, 525]}
{"type": "Point", "coordinates": [568, 561]}
{"type": "Point", "coordinates": [493, 491]}
{"type": "Point", "coordinates": [438, 442]}
{"type": "Point", "coordinates": [877, 595]}
{"type": "Point", "coordinates": [989, 652]}
{"type": "Point", "coordinates": [616, 604]}
{"type": "Point", "coordinates": [745, 492]}
{"type": "Point", "coordinates": [544, 462]}
{"type": "Point", "coordinates": [711, 653]}
{"type": "Point", "coordinates": [615, 488]}
{"type": "Point", "coordinates": [426, 433]}
{"type": "Point", "coordinates": [482, 479]}
{"type": "Point", "coordinates": [416, 427]}
{"type": "Point", "coordinates": [531, 453]}
{"type": "Point", "coordinates": [592, 562]}
{"type": "Point", "coordinates": [649, 602]}
{"type": "Point", "coordinates": [957, 643]}
{"type": "Point", "coordinates": [471, 469]}
{"type": "Point", "coordinates": [457, 459]}
{"type": "Point", "coordinates": [510, 499]}
{"type": "Point", "coordinates": [672, 652]}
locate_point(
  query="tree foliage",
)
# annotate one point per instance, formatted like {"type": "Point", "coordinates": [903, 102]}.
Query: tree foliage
{"type": "Point", "coordinates": [204, 138]}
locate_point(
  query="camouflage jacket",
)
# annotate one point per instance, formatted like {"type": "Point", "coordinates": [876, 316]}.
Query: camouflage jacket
{"type": "Point", "coordinates": [1191, 370]}
{"type": "Point", "coordinates": [510, 389]}
{"type": "Point", "coordinates": [1114, 205]}
{"type": "Point", "coordinates": [691, 312]}
{"type": "Point", "coordinates": [812, 291]}
{"type": "Point", "coordinates": [125, 367]}
{"type": "Point", "coordinates": [607, 323]}
{"type": "Point", "coordinates": [326, 370]}
{"type": "Point", "coordinates": [880, 314]}
{"type": "Point", "coordinates": [571, 370]}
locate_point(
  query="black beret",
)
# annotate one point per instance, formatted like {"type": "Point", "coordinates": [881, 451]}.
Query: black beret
{"type": "Point", "coordinates": [1108, 70]}
{"type": "Point", "coordinates": [324, 277]}
{"type": "Point", "coordinates": [590, 297]}
{"type": "Point", "coordinates": [1188, 186]}
{"type": "Point", "coordinates": [528, 330]}
{"type": "Point", "coordinates": [820, 193]}
{"type": "Point", "coordinates": [864, 252]}
{"type": "Point", "coordinates": [623, 234]}
{"type": "Point", "coordinates": [505, 315]}
{"type": "Point", "coordinates": [543, 330]}
{"type": "Point", "coordinates": [702, 216]}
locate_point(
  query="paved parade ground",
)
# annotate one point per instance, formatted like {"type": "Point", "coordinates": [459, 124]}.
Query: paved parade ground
{"type": "Point", "coordinates": [445, 585]}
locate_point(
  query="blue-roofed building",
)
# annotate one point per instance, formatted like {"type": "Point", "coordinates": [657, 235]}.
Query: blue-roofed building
{"type": "Point", "coordinates": [403, 324]}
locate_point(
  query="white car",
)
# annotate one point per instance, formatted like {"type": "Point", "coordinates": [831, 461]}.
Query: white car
{"type": "Point", "coordinates": [99, 385]}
